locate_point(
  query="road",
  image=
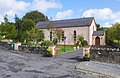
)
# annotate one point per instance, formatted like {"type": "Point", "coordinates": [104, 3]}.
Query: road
{"type": "Point", "coordinates": [25, 65]}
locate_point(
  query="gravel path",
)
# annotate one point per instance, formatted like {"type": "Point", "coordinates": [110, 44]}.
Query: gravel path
{"type": "Point", "coordinates": [25, 65]}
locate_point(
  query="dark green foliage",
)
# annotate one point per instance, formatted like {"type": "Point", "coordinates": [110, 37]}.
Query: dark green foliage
{"type": "Point", "coordinates": [46, 43]}
{"type": "Point", "coordinates": [18, 26]}
{"type": "Point", "coordinates": [40, 35]}
{"type": "Point", "coordinates": [27, 30]}
{"type": "Point", "coordinates": [5, 19]}
{"type": "Point", "coordinates": [84, 43]}
{"type": "Point", "coordinates": [80, 41]}
{"type": "Point", "coordinates": [35, 34]}
{"type": "Point", "coordinates": [23, 30]}
{"type": "Point", "coordinates": [27, 25]}
{"type": "Point", "coordinates": [35, 16]}
{"type": "Point", "coordinates": [112, 33]}
{"type": "Point", "coordinates": [98, 26]}
{"type": "Point", "coordinates": [0, 37]}
{"type": "Point", "coordinates": [55, 41]}
{"type": "Point", "coordinates": [80, 38]}
{"type": "Point", "coordinates": [8, 30]}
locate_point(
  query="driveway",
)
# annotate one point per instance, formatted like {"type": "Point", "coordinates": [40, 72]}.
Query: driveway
{"type": "Point", "coordinates": [15, 64]}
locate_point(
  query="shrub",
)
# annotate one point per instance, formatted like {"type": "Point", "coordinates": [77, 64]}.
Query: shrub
{"type": "Point", "coordinates": [49, 50]}
{"type": "Point", "coordinates": [77, 44]}
{"type": "Point", "coordinates": [84, 43]}
{"type": "Point", "coordinates": [55, 41]}
{"type": "Point", "coordinates": [0, 37]}
{"type": "Point", "coordinates": [46, 43]}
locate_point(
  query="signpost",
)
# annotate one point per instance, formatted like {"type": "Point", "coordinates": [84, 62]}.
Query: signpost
{"type": "Point", "coordinates": [64, 42]}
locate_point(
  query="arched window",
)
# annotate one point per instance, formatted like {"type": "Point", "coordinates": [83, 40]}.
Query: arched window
{"type": "Point", "coordinates": [50, 35]}
{"type": "Point", "coordinates": [75, 35]}
{"type": "Point", "coordinates": [62, 35]}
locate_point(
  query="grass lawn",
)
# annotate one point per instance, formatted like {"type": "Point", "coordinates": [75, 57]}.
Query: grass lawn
{"type": "Point", "coordinates": [67, 49]}
{"type": "Point", "coordinates": [116, 41]}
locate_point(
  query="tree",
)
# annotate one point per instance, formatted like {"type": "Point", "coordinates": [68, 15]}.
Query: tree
{"type": "Point", "coordinates": [5, 19]}
{"type": "Point", "coordinates": [52, 29]}
{"type": "Point", "coordinates": [98, 26]}
{"type": "Point", "coordinates": [2, 29]}
{"type": "Point", "coordinates": [26, 29]}
{"type": "Point", "coordinates": [40, 35]}
{"type": "Point", "coordinates": [10, 31]}
{"type": "Point", "coordinates": [58, 33]}
{"type": "Point", "coordinates": [27, 25]}
{"type": "Point", "coordinates": [18, 26]}
{"type": "Point", "coordinates": [81, 41]}
{"type": "Point", "coordinates": [18, 23]}
{"type": "Point", "coordinates": [114, 32]}
{"type": "Point", "coordinates": [35, 35]}
{"type": "Point", "coordinates": [35, 16]}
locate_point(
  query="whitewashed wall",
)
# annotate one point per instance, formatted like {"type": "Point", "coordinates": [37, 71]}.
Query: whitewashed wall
{"type": "Point", "coordinates": [92, 28]}
{"type": "Point", "coordinates": [69, 33]}
{"type": "Point", "coordinates": [86, 31]}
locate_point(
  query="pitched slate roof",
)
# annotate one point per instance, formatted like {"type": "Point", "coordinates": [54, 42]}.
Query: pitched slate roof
{"type": "Point", "coordinates": [98, 33]}
{"type": "Point", "coordinates": [67, 23]}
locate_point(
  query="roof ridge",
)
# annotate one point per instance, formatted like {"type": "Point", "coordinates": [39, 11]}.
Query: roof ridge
{"type": "Point", "coordinates": [86, 21]}
{"type": "Point", "coordinates": [75, 19]}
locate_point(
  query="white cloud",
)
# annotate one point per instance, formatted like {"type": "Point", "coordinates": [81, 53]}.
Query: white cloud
{"type": "Point", "coordinates": [107, 24]}
{"type": "Point", "coordinates": [105, 14]}
{"type": "Point", "coordinates": [117, 20]}
{"type": "Point", "coordinates": [20, 7]}
{"type": "Point", "coordinates": [64, 14]}
{"type": "Point", "coordinates": [101, 14]}
{"type": "Point", "coordinates": [1, 19]}
{"type": "Point", "coordinates": [44, 5]}
{"type": "Point", "coordinates": [12, 7]}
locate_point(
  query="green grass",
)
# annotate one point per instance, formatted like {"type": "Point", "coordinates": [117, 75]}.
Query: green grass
{"type": "Point", "coordinates": [116, 41]}
{"type": "Point", "coordinates": [67, 49]}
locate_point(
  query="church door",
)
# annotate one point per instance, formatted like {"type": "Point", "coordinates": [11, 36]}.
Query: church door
{"type": "Point", "coordinates": [97, 41]}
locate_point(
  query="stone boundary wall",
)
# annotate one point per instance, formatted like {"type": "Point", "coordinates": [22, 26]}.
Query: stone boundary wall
{"type": "Point", "coordinates": [5, 44]}
{"type": "Point", "coordinates": [42, 50]}
{"type": "Point", "coordinates": [115, 45]}
{"type": "Point", "coordinates": [105, 54]}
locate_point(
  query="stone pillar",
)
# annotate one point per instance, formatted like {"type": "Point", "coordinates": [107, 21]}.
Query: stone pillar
{"type": "Point", "coordinates": [53, 51]}
{"type": "Point", "coordinates": [86, 52]}
{"type": "Point", "coordinates": [16, 45]}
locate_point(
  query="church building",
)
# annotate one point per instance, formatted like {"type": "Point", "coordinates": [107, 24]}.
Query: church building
{"type": "Point", "coordinates": [72, 28]}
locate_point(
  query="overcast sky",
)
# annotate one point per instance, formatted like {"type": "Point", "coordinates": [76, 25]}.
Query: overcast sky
{"type": "Point", "coordinates": [106, 12]}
